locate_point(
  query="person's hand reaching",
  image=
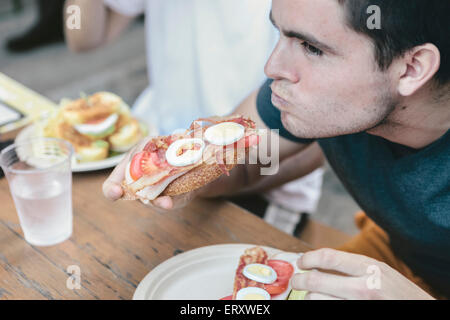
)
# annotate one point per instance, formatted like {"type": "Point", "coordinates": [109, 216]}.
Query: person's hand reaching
{"type": "Point", "coordinates": [113, 191]}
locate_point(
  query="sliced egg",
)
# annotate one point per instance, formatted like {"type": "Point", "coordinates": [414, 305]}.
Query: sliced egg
{"type": "Point", "coordinates": [252, 293]}
{"type": "Point", "coordinates": [178, 158]}
{"type": "Point", "coordinates": [224, 133]}
{"type": "Point", "coordinates": [96, 129]}
{"type": "Point", "coordinates": [260, 273]}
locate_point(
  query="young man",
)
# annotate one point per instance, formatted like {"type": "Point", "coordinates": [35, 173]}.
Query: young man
{"type": "Point", "coordinates": [376, 101]}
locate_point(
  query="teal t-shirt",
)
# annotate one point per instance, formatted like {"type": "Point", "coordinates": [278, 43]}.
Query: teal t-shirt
{"type": "Point", "coordinates": [403, 190]}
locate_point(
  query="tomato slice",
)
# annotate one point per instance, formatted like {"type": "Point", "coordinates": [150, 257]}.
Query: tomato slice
{"type": "Point", "coordinates": [144, 162]}
{"type": "Point", "coordinates": [148, 165]}
{"type": "Point", "coordinates": [284, 271]}
{"type": "Point", "coordinates": [97, 120]}
{"type": "Point", "coordinates": [135, 166]}
{"type": "Point", "coordinates": [276, 288]}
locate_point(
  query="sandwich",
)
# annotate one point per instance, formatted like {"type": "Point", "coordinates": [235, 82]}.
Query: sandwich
{"type": "Point", "coordinates": [259, 277]}
{"type": "Point", "coordinates": [183, 162]}
{"type": "Point", "coordinates": [96, 125]}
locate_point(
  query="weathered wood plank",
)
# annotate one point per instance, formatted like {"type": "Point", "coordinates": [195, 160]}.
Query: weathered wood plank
{"type": "Point", "coordinates": [37, 275]}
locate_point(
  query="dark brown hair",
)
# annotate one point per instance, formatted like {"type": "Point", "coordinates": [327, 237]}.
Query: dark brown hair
{"type": "Point", "coordinates": [405, 24]}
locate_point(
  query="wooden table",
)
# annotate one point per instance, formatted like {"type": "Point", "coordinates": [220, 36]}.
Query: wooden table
{"type": "Point", "coordinates": [116, 244]}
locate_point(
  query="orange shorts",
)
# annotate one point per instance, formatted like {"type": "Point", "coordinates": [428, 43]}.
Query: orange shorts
{"type": "Point", "coordinates": [373, 242]}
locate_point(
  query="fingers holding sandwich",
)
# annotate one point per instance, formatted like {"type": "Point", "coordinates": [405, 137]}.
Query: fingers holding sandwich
{"type": "Point", "coordinates": [164, 202]}
{"type": "Point", "coordinates": [112, 187]}
{"type": "Point", "coordinates": [175, 202]}
{"type": "Point", "coordinates": [171, 203]}
{"type": "Point", "coordinates": [113, 191]}
{"type": "Point", "coordinates": [167, 172]}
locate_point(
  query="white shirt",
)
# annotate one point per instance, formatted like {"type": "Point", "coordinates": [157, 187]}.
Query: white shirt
{"type": "Point", "coordinates": [204, 56]}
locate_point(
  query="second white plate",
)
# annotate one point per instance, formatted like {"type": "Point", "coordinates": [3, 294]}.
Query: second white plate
{"type": "Point", "coordinates": [29, 131]}
{"type": "Point", "coordinates": [205, 273]}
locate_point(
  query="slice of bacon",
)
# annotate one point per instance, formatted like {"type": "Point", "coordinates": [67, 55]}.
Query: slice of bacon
{"type": "Point", "coordinates": [251, 255]}
{"type": "Point", "coordinates": [148, 180]}
{"type": "Point", "coordinates": [150, 147]}
{"type": "Point", "coordinates": [221, 163]}
{"type": "Point", "coordinates": [153, 191]}
{"type": "Point", "coordinates": [162, 142]}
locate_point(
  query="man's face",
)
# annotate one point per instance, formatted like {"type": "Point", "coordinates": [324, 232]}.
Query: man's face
{"type": "Point", "coordinates": [326, 81]}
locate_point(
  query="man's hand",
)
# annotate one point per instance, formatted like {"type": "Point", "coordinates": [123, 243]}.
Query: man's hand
{"type": "Point", "coordinates": [113, 191]}
{"type": "Point", "coordinates": [353, 277]}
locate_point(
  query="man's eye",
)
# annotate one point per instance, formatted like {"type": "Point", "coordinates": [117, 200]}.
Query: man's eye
{"type": "Point", "coordinates": [311, 49]}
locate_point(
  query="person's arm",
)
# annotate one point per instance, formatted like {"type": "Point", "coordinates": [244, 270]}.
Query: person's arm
{"type": "Point", "coordinates": [99, 25]}
{"type": "Point", "coordinates": [292, 168]}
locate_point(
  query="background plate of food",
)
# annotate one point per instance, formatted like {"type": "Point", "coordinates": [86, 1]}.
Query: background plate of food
{"type": "Point", "coordinates": [216, 272]}
{"type": "Point", "coordinates": [100, 127]}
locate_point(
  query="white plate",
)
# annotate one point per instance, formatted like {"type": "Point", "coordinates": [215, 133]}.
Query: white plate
{"type": "Point", "coordinates": [110, 162]}
{"type": "Point", "coordinates": [206, 273]}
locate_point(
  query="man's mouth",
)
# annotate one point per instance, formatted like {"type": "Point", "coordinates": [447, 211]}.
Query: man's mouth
{"type": "Point", "coordinates": [277, 99]}
{"type": "Point", "coordinates": [278, 102]}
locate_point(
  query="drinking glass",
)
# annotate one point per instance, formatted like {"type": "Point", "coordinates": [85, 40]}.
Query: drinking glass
{"type": "Point", "coordinates": [39, 174]}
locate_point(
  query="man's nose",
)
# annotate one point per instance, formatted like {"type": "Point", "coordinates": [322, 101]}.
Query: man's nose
{"type": "Point", "coordinates": [279, 66]}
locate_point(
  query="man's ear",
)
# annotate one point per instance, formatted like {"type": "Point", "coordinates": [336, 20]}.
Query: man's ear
{"type": "Point", "coordinates": [418, 66]}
